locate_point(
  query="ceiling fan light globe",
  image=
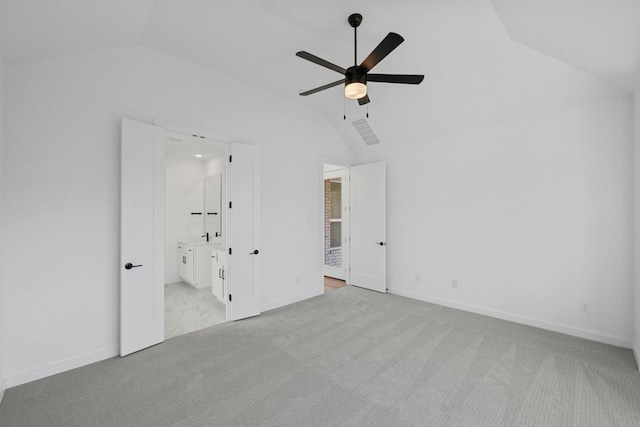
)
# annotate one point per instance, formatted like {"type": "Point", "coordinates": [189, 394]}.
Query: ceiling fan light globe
{"type": "Point", "coordinates": [355, 90]}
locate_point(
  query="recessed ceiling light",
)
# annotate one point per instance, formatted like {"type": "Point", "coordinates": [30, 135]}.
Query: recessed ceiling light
{"type": "Point", "coordinates": [198, 155]}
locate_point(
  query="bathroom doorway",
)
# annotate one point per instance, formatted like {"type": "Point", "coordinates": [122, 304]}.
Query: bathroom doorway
{"type": "Point", "coordinates": [142, 231]}
{"type": "Point", "coordinates": [195, 190]}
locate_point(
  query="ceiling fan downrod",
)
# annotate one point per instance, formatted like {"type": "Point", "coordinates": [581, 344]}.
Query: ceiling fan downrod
{"type": "Point", "coordinates": [355, 19]}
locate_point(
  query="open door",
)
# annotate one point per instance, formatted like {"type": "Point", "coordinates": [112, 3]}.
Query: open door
{"type": "Point", "coordinates": [141, 237]}
{"type": "Point", "coordinates": [243, 232]}
{"type": "Point", "coordinates": [368, 227]}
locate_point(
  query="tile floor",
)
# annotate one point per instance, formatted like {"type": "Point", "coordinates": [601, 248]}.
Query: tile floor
{"type": "Point", "coordinates": [188, 309]}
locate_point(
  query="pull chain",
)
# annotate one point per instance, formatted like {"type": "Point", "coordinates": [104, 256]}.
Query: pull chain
{"type": "Point", "coordinates": [344, 108]}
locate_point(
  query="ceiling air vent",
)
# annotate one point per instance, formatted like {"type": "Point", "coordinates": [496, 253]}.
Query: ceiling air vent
{"type": "Point", "coordinates": [172, 138]}
{"type": "Point", "coordinates": [365, 131]}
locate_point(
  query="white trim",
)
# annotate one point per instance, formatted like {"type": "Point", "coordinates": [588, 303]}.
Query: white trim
{"type": "Point", "coordinates": [636, 358]}
{"type": "Point", "coordinates": [336, 173]}
{"type": "Point", "coordinates": [345, 220]}
{"type": "Point", "coordinates": [291, 300]}
{"type": "Point", "coordinates": [65, 365]}
{"type": "Point", "coordinates": [3, 387]}
{"type": "Point", "coordinates": [190, 130]}
{"type": "Point", "coordinates": [555, 327]}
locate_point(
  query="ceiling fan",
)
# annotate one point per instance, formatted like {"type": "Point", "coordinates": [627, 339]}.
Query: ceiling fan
{"type": "Point", "coordinates": [356, 77]}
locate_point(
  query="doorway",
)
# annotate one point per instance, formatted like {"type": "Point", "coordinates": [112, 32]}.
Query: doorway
{"type": "Point", "coordinates": [195, 178]}
{"type": "Point", "coordinates": [354, 226]}
{"type": "Point", "coordinates": [335, 226]}
{"type": "Point", "coordinates": [142, 230]}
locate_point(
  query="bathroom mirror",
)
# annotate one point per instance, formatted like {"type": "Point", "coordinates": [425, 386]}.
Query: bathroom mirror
{"type": "Point", "coordinates": [212, 205]}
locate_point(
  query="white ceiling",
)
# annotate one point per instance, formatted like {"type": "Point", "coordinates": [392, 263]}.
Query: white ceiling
{"type": "Point", "coordinates": [485, 61]}
{"type": "Point", "coordinates": [599, 36]}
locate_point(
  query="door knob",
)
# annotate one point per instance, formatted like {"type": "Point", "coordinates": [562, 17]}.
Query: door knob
{"type": "Point", "coordinates": [380, 243]}
{"type": "Point", "coordinates": [254, 252]}
{"type": "Point", "coordinates": [129, 266]}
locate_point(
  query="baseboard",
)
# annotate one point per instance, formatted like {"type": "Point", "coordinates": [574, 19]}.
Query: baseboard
{"type": "Point", "coordinates": [555, 327]}
{"type": "Point", "coordinates": [56, 368]}
{"type": "Point", "coordinates": [292, 300]}
{"type": "Point", "coordinates": [636, 356]}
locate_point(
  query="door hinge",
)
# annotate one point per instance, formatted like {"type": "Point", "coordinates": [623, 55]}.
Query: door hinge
{"type": "Point", "coordinates": [230, 157]}
{"type": "Point", "coordinates": [230, 205]}
{"type": "Point", "coordinates": [229, 297]}
{"type": "Point", "coordinates": [229, 251]}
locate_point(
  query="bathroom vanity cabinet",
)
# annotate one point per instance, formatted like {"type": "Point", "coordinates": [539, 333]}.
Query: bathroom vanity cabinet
{"type": "Point", "coordinates": [218, 273]}
{"type": "Point", "coordinates": [194, 262]}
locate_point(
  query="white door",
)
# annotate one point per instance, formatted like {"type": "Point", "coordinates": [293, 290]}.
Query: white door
{"type": "Point", "coordinates": [368, 227]}
{"type": "Point", "coordinates": [141, 237]}
{"type": "Point", "coordinates": [243, 280]}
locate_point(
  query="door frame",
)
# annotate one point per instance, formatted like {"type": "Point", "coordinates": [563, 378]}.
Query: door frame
{"type": "Point", "coordinates": [343, 174]}
{"type": "Point", "coordinates": [191, 130]}
{"type": "Point", "coordinates": [345, 224]}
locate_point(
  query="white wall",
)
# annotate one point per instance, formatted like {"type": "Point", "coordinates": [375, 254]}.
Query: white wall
{"type": "Point", "coordinates": [214, 166]}
{"type": "Point", "coordinates": [529, 216]}
{"type": "Point", "coordinates": [3, 310]}
{"type": "Point", "coordinates": [183, 194]}
{"type": "Point", "coordinates": [62, 191]}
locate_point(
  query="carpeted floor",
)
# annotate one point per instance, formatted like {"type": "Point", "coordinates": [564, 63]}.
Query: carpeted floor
{"type": "Point", "coordinates": [350, 357]}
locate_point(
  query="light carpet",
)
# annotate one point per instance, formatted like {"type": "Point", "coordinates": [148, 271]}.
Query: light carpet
{"type": "Point", "coordinates": [351, 357]}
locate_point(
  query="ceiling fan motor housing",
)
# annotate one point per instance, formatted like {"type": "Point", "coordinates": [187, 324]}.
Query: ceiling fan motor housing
{"type": "Point", "coordinates": [355, 75]}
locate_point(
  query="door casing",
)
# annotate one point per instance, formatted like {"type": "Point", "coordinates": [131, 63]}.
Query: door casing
{"type": "Point", "coordinates": [334, 272]}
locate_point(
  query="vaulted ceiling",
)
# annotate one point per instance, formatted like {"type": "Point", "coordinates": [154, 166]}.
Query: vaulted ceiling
{"type": "Point", "coordinates": [485, 61]}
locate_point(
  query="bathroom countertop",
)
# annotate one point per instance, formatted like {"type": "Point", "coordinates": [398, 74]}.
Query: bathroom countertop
{"type": "Point", "coordinates": [198, 241]}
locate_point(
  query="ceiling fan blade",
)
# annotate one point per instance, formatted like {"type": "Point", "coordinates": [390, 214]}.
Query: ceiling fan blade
{"type": "Point", "coordinates": [309, 57]}
{"type": "Point", "coordinates": [411, 79]}
{"type": "Point", "coordinates": [364, 100]}
{"type": "Point", "coordinates": [318, 89]}
{"type": "Point", "coordinates": [386, 46]}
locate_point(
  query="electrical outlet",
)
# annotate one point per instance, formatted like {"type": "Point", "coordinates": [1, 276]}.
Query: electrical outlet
{"type": "Point", "coordinates": [585, 307]}
{"type": "Point", "coordinates": [454, 284]}
{"type": "Point", "coordinates": [417, 278]}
